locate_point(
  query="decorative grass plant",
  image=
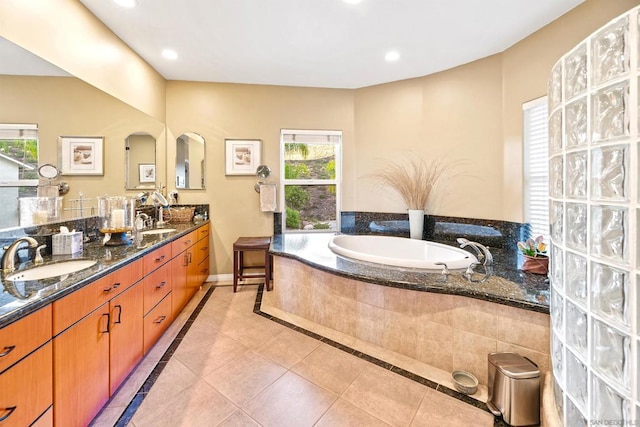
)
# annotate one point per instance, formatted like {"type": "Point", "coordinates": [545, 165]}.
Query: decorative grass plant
{"type": "Point", "coordinates": [414, 178]}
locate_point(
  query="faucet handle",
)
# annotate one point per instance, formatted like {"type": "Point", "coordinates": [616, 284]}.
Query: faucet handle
{"type": "Point", "coordinates": [38, 259]}
{"type": "Point", "coordinates": [470, 269]}
{"type": "Point", "coordinates": [445, 268]}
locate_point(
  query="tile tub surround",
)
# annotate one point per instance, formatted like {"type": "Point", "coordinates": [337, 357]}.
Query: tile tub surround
{"type": "Point", "coordinates": [445, 332]}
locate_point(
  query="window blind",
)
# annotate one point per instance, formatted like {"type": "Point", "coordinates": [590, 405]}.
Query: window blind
{"type": "Point", "coordinates": [536, 167]}
{"type": "Point", "coordinates": [18, 131]}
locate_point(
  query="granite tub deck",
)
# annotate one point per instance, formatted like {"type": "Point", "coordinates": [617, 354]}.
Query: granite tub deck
{"type": "Point", "coordinates": [410, 319]}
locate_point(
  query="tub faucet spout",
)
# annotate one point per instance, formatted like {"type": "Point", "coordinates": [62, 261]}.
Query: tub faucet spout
{"type": "Point", "coordinates": [484, 255]}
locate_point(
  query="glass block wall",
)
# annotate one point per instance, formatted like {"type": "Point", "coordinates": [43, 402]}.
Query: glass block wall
{"type": "Point", "coordinates": [594, 213]}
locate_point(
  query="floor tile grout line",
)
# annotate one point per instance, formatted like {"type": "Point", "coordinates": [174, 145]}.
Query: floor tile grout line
{"type": "Point", "coordinates": [386, 365]}
{"type": "Point", "coordinates": [136, 401]}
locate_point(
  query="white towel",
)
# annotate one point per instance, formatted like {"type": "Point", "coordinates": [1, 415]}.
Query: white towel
{"type": "Point", "coordinates": [268, 199]}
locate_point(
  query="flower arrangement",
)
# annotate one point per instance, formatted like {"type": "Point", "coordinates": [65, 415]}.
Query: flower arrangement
{"type": "Point", "coordinates": [533, 247]}
{"type": "Point", "coordinates": [535, 256]}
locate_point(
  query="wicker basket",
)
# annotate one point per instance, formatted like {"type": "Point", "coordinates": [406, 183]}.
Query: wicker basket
{"type": "Point", "coordinates": [181, 214]}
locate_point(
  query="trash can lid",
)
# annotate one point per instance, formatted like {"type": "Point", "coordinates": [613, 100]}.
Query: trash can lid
{"type": "Point", "coordinates": [514, 365]}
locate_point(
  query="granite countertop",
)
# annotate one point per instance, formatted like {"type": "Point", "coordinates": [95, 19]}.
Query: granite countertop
{"type": "Point", "coordinates": [508, 285]}
{"type": "Point", "coordinates": [18, 299]}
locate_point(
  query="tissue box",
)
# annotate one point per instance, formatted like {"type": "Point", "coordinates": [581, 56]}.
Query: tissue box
{"type": "Point", "coordinates": [67, 243]}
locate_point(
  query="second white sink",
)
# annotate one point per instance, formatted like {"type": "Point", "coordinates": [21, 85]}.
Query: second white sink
{"type": "Point", "coordinates": [50, 270]}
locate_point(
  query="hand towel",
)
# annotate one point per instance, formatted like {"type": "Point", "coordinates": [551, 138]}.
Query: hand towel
{"type": "Point", "coordinates": [268, 198]}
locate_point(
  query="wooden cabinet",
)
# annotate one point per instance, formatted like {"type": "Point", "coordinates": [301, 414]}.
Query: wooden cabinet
{"type": "Point", "coordinates": [126, 339]}
{"type": "Point", "coordinates": [81, 369]}
{"type": "Point", "coordinates": [60, 364]}
{"type": "Point", "coordinates": [94, 354]}
{"type": "Point", "coordinates": [26, 389]}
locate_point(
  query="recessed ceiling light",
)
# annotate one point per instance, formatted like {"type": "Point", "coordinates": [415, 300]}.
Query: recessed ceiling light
{"type": "Point", "coordinates": [169, 54]}
{"type": "Point", "coordinates": [392, 56]}
{"type": "Point", "coordinates": [126, 3]}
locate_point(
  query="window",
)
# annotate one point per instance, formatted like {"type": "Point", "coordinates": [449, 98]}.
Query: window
{"type": "Point", "coordinates": [310, 183]}
{"type": "Point", "coordinates": [536, 166]}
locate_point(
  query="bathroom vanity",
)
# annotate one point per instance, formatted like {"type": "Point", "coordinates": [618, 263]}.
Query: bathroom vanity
{"type": "Point", "coordinates": [67, 343]}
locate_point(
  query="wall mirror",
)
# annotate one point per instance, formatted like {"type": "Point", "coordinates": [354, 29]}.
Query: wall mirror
{"type": "Point", "coordinates": [61, 104]}
{"type": "Point", "coordinates": [190, 162]}
{"type": "Point", "coordinates": [140, 161]}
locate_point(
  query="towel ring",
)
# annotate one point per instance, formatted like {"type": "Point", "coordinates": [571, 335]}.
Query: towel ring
{"type": "Point", "coordinates": [263, 172]}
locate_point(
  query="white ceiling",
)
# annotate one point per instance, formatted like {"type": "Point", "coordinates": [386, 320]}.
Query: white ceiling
{"type": "Point", "coordinates": [321, 43]}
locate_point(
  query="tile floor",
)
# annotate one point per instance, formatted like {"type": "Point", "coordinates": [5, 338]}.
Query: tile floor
{"type": "Point", "coordinates": [237, 368]}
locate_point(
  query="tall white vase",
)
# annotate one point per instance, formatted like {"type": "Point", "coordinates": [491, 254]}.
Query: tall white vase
{"type": "Point", "coordinates": [416, 223]}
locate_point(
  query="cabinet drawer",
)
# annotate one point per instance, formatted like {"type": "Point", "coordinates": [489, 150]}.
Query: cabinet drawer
{"type": "Point", "coordinates": [75, 306]}
{"type": "Point", "coordinates": [203, 232]}
{"type": "Point", "coordinates": [178, 246]}
{"type": "Point", "coordinates": [156, 286]}
{"type": "Point", "coordinates": [26, 390]}
{"type": "Point", "coordinates": [202, 250]}
{"type": "Point", "coordinates": [156, 259]}
{"type": "Point", "coordinates": [23, 336]}
{"type": "Point", "coordinates": [203, 270]}
{"type": "Point", "coordinates": [156, 322]}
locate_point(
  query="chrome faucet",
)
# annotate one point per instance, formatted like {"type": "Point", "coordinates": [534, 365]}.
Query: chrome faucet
{"type": "Point", "coordinates": [9, 258]}
{"type": "Point", "coordinates": [484, 256]}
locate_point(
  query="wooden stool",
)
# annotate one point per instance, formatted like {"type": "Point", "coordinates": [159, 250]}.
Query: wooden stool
{"type": "Point", "coordinates": [251, 244]}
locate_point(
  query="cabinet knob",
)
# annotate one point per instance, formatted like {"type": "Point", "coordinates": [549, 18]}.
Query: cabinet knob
{"type": "Point", "coordinates": [161, 285]}
{"type": "Point", "coordinates": [160, 319]}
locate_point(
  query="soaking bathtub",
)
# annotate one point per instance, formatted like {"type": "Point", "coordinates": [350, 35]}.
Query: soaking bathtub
{"type": "Point", "coordinates": [401, 252]}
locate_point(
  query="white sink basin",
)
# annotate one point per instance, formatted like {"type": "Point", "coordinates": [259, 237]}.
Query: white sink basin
{"type": "Point", "coordinates": [50, 270]}
{"type": "Point", "coordinates": [157, 231]}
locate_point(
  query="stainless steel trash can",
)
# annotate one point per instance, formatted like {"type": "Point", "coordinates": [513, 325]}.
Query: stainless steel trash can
{"type": "Point", "coordinates": [514, 389]}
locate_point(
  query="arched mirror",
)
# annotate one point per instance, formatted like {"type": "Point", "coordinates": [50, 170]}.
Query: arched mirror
{"type": "Point", "coordinates": [140, 161]}
{"type": "Point", "coordinates": [190, 161]}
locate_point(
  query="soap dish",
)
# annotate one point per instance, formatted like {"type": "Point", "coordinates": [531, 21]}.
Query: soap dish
{"type": "Point", "coordinates": [465, 382]}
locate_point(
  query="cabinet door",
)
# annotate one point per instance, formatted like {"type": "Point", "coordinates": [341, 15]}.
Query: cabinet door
{"type": "Point", "coordinates": [193, 273]}
{"type": "Point", "coordinates": [125, 347]}
{"type": "Point", "coordinates": [81, 370]}
{"type": "Point", "coordinates": [25, 389]}
{"type": "Point", "coordinates": [179, 267]}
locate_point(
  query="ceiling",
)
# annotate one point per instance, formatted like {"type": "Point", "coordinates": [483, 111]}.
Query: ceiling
{"type": "Point", "coordinates": [321, 43]}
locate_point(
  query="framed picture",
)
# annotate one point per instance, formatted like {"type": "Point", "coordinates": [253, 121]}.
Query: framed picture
{"type": "Point", "coordinates": [81, 155]}
{"type": "Point", "coordinates": [147, 172]}
{"type": "Point", "coordinates": [242, 156]}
